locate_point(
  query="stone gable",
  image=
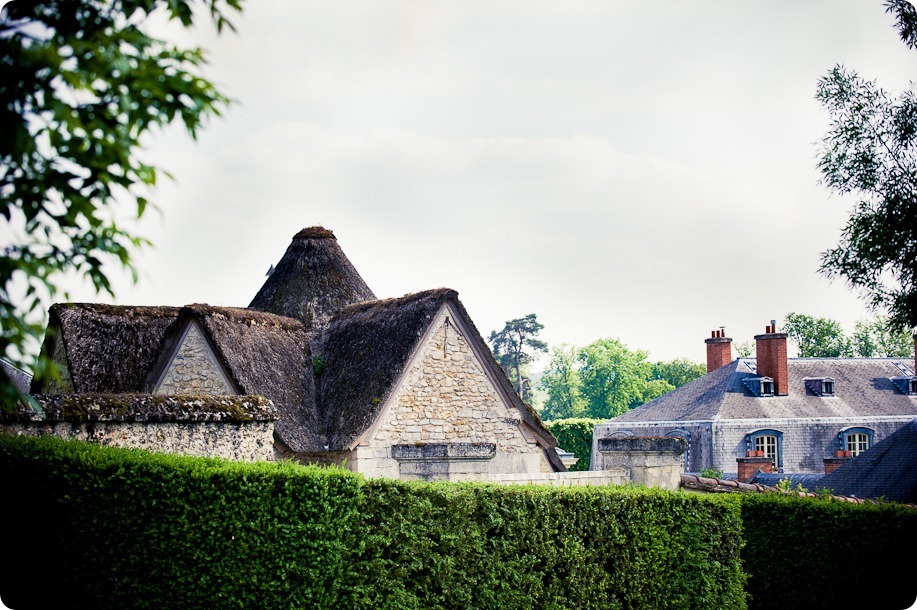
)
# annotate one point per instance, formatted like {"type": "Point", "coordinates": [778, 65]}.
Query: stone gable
{"type": "Point", "coordinates": [446, 398]}
{"type": "Point", "coordinates": [194, 369]}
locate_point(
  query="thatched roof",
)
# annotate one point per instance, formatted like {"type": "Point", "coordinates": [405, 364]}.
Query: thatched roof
{"type": "Point", "coordinates": [313, 281]}
{"type": "Point", "coordinates": [265, 355]}
{"type": "Point", "coordinates": [110, 349]}
{"type": "Point", "coordinates": [123, 349]}
{"type": "Point", "coordinates": [367, 348]}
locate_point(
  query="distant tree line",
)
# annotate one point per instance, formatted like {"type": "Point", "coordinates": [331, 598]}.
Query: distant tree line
{"type": "Point", "coordinates": [607, 378]}
{"type": "Point", "coordinates": [601, 380]}
{"type": "Point", "coordinates": [825, 338]}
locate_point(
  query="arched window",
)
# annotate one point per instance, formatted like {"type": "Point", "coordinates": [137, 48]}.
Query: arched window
{"type": "Point", "coordinates": [855, 440]}
{"type": "Point", "coordinates": [768, 441]}
{"type": "Point", "coordinates": [687, 436]}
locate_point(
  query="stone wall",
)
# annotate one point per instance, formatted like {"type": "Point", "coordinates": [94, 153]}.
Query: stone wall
{"type": "Point", "coordinates": [236, 428]}
{"type": "Point", "coordinates": [651, 461]}
{"type": "Point", "coordinates": [194, 369]}
{"type": "Point", "coordinates": [446, 397]}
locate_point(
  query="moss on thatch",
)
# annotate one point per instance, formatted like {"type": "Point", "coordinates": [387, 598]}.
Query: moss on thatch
{"type": "Point", "coordinates": [158, 408]}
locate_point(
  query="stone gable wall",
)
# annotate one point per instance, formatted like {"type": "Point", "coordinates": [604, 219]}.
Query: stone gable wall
{"type": "Point", "coordinates": [446, 397]}
{"type": "Point", "coordinates": [195, 369]}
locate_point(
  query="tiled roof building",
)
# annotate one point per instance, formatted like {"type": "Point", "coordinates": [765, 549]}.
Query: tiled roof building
{"type": "Point", "coordinates": [796, 413]}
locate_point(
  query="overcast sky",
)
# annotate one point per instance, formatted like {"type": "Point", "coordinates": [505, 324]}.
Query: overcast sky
{"type": "Point", "coordinates": [639, 170]}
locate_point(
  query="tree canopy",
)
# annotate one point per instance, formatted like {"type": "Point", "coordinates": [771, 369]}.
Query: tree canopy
{"type": "Point", "coordinates": [870, 151]}
{"type": "Point", "coordinates": [516, 346]}
{"type": "Point", "coordinates": [81, 84]}
{"type": "Point", "coordinates": [825, 338]}
{"type": "Point", "coordinates": [607, 378]}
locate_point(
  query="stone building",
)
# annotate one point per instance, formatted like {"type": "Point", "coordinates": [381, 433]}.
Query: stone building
{"type": "Point", "coordinates": [402, 387]}
{"type": "Point", "coordinates": [788, 415]}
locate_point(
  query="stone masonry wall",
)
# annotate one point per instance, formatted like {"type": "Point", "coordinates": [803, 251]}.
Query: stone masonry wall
{"type": "Point", "coordinates": [195, 369]}
{"type": "Point", "coordinates": [252, 441]}
{"type": "Point", "coordinates": [446, 397]}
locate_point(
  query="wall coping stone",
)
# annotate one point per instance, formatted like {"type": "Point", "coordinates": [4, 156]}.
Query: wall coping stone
{"type": "Point", "coordinates": [152, 408]}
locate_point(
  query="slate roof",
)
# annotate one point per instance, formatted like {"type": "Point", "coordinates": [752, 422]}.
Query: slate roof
{"type": "Point", "coordinates": [887, 470]}
{"type": "Point", "coordinates": [21, 380]}
{"type": "Point", "coordinates": [863, 387]}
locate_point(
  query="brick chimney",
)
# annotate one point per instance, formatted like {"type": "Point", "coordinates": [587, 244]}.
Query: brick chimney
{"type": "Point", "coordinates": [749, 465]}
{"type": "Point", "coordinates": [719, 350]}
{"type": "Point", "coordinates": [840, 458]}
{"type": "Point", "coordinates": [771, 358]}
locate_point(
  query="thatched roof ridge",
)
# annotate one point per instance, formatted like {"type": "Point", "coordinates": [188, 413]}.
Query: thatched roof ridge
{"type": "Point", "coordinates": [315, 233]}
{"type": "Point", "coordinates": [313, 281]}
{"type": "Point", "coordinates": [110, 348]}
{"type": "Point", "coordinates": [366, 350]}
{"type": "Point", "coordinates": [85, 408]}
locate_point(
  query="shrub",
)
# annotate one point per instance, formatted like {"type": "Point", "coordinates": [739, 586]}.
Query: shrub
{"type": "Point", "coordinates": [575, 436]}
{"type": "Point", "coordinates": [119, 528]}
{"type": "Point", "coordinates": [805, 552]}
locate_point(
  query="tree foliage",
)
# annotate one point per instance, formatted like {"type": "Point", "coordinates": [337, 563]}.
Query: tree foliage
{"type": "Point", "coordinates": [817, 337]}
{"type": "Point", "coordinates": [825, 338]}
{"type": "Point", "coordinates": [516, 346]}
{"type": "Point", "coordinates": [561, 382]}
{"type": "Point", "coordinates": [869, 151]}
{"type": "Point", "coordinates": [606, 378]}
{"type": "Point", "coordinates": [876, 338]}
{"type": "Point", "coordinates": [81, 84]}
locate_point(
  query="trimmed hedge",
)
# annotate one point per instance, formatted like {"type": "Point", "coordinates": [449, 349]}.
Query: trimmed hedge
{"type": "Point", "coordinates": [821, 553]}
{"type": "Point", "coordinates": [117, 528]}
{"type": "Point", "coordinates": [575, 435]}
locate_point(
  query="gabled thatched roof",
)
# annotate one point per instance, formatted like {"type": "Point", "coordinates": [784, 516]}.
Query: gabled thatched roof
{"type": "Point", "coordinates": [367, 348]}
{"type": "Point", "coordinates": [110, 349]}
{"type": "Point", "coordinates": [266, 355]}
{"type": "Point", "coordinates": [122, 350]}
{"type": "Point", "coordinates": [313, 281]}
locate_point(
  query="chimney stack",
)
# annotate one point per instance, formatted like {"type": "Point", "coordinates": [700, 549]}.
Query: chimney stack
{"type": "Point", "coordinates": [771, 358]}
{"type": "Point", "coordinates": [719, 350]}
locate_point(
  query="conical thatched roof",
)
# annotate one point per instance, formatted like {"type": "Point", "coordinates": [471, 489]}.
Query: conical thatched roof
{"type": "Point", "coordinates": [313, 281]}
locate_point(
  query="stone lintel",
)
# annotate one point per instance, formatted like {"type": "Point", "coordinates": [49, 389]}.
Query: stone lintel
{"type": "Point", "coordinates": [444, 451]}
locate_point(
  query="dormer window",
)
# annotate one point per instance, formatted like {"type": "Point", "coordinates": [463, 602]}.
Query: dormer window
{"type": "Point", "coordinates": [760, 386]}
{"type": "Point", "coordinates": [906, 385]}
{"type": "Point", "coordinates": [820, 386]}
{"type": "Point", "coordinates": [855, 440]}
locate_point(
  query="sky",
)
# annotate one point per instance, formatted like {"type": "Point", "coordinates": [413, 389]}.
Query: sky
{"type": "Point", "coordinates": [632, 170]}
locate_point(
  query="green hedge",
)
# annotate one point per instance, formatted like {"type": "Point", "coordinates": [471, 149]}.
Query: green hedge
{"type": "Point", "coordinates": [820, 553]}
{"type": "Point", "coordinates": [575, 436]}
{"type": "Point", "coordinates": [129, 529]}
